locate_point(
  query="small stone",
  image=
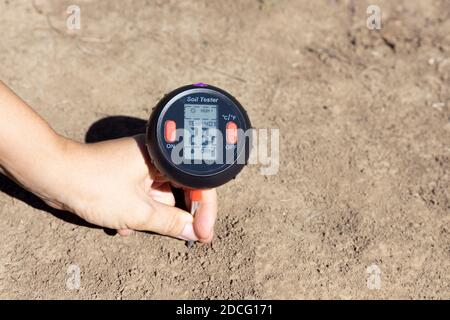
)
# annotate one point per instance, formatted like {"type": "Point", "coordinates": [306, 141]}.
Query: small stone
{"type": "Point", "coordinates": [438, 105]}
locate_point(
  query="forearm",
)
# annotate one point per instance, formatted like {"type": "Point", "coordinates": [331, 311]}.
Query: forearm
{"type": "Point", "coordinates": [29, 147]}
{"type": "Point", "coordinates": [108, 183]}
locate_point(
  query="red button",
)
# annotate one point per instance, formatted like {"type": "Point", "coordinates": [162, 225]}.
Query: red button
{"type": "Point", "coordinates": [231, 130]}
{"type": "Point", "coordinates": [170, 128]}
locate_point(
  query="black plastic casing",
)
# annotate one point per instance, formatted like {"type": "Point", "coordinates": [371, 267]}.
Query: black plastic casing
{"type": "Point", "coordinates": [175, 174]}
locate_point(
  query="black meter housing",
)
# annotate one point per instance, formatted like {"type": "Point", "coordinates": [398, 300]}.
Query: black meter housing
{"type": "Point", "coordinates": [198, 110]}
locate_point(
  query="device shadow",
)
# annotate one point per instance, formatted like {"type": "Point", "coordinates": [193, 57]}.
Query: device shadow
{"type": "Point", "coordinates": [112, 127]}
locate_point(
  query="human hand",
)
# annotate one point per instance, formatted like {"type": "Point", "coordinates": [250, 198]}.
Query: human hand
{"type": "Point", "coordinates": [113, 185]}
{"type": "Point", "coordinates": [110, 183]}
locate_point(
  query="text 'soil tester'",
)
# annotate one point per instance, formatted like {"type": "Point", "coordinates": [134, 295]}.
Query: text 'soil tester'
{"type": "Point", "coordinates": [199, 137]}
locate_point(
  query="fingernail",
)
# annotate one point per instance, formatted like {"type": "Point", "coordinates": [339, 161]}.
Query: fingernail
{"type": "Point", "coordinates": [188, 233]}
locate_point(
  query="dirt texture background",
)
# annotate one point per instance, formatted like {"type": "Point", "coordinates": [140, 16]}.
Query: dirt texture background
{"type": "Point", "coordinates": [364, 120]}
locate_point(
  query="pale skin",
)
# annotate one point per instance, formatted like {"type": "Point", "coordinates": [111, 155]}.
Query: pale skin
{"type": "Point", "coordinates": [110, 184]}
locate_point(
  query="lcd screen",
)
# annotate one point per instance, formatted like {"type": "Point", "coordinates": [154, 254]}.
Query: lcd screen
{"type": "Point", "coordinates": [200, 122]}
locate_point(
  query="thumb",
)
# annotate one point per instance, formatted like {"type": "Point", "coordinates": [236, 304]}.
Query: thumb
{"type": "Point", "coordinates": [166, 220]}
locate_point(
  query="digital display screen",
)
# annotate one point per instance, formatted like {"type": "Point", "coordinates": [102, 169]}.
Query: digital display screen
{"type": "Point", "coordinates": [200, 122]}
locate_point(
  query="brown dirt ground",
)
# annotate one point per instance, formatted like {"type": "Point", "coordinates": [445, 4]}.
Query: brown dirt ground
{"type": "Point", "coordinates": [364, 119]}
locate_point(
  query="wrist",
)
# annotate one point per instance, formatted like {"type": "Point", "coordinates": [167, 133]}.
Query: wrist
{"type": "Point", "coordinates": [31, 152]}
{"type": "Point", "coordinates": [44, 169]}
{"type": "Point", "coordinates": [53, 182]}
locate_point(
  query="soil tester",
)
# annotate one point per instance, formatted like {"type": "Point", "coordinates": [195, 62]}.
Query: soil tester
{"type": "Point", "coordinates": [199, 137]}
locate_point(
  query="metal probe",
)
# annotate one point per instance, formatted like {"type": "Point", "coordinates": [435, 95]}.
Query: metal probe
{"type": "Point", "coordinates": [196, 196]}
{"type": "Point", "coordinates": [194, 207]}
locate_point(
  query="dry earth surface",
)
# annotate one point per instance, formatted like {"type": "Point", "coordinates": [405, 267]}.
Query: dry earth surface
{"type": "Point", "coordinates": [364, 120]}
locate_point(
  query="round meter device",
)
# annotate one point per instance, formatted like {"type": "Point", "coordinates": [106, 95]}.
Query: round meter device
{"type": "Point", "coordinates": [199, 136]}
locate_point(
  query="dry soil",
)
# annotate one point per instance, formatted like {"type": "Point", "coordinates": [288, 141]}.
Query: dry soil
{"type": "Point", "coordinates": [364, 120]}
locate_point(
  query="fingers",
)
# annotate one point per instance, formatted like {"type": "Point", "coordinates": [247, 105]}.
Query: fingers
{"type": "Point", "coordinates": [166, 220]}
{"type": "Point", "coordinates": [124, 232]}
{"type": "Point", "coordinates": [206, 215]}
{"type": "Point", "coordinates": [160, 216]}
{"type": "Point", "coordinates": [162, 192]}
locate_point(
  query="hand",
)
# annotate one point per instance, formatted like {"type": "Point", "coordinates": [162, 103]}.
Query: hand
{"type": "Point", "coordinates": [113, 185]}
{"type": "Point", "coordinates": [110, 184]}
